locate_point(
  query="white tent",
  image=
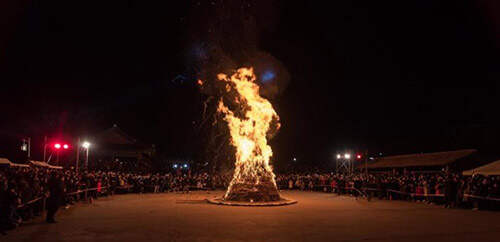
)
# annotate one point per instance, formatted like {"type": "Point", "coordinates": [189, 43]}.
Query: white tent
{"type": "Point", "coordinates": [44, 164]}
{"type": "Point", "coordinates": [491, 169]}
{"type": "Point", "coordinates": [39, 163]}
{"type": "Point", "coordinates": [19, 165]}
{"type": "Point", "coordinates": [5, 162]}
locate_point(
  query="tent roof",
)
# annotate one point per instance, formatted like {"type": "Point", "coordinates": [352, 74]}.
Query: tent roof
{"type": "Point", "coordinates": [44, 164]}
{"type": "Point", "coordinates": [39, 163]}
{"type": "Point", "coordinates": [420, 160]}
{"type": "Point", "coordinates": [491, 169]}
{"type": "Point", "coordinates": [19, 165]}
{"type": "Point", "coordinates": [5, 161]}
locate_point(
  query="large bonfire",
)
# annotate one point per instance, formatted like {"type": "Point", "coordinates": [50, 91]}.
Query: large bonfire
{"type": "Point", "coordinates": [253, 179]}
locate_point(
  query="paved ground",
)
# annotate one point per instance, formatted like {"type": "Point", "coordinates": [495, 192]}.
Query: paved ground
{"type": "Point", "coordinates": [316, 217]}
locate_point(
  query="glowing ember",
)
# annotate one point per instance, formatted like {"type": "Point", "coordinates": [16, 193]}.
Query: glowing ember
{"type": "Point", "coordinates": [253, 178]}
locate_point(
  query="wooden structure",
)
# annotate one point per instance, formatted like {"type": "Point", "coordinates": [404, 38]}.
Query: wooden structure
{"type": "Point", "coordinates": [114, 148]}
{"type": "Point", "coordinates": [491, 169]}
{"type": "Point", "coordinates": [437, 161]}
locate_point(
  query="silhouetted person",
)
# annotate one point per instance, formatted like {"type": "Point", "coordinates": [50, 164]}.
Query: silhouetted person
{"type": "Point", "coordinates": [357, 187]}
{"type": "Point", "coordinates": [56, 188]}
{"type": "Point", "coordinates": [450, 193]}
{"type": "Point", "coordinates": [9, 203]}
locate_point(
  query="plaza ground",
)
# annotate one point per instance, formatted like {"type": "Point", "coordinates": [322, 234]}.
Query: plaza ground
{"type": "Point", "coordinates": [316, 217]}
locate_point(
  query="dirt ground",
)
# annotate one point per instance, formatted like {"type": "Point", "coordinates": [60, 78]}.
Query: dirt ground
{"type": "Point", "coordinates": [316, 217]}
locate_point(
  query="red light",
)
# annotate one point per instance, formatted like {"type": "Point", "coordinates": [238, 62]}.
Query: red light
{"type": "Point", "coordinates": [57, 146]}
{"type": "Point", "coordinates": [65, 146]}
{"type": "Point", "coordinates": [358, 156]}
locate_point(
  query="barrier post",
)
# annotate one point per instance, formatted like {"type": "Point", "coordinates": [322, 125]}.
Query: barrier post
{"type": "Point", "coordinates": [43, 205]}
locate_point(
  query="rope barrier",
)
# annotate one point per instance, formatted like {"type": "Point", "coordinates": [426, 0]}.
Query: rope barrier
{"type": "Point", "coordinates": [30, 202]}
{"type": "Point", "coordinates": [415, 194]}
{"type": "Point", "coordinates": [485, 198]}
{"type": "Point", "coordinates": [370, 189]}
{"type": "Point", "coordinates": [125, 187]}
{"type": "Point", "coordinates": [67, 194]}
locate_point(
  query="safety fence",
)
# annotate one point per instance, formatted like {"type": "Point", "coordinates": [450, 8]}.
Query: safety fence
{"type": "Point", "coordinates": [458, 200]}
{"type": "Point", "coordinates": [365, 192]}
{"type": "Point", "coordinates": [482, 198]}
{"type": "Point", "coordinates": [87, 193]}
{"type": "Point", "coordinates": [386, 193]}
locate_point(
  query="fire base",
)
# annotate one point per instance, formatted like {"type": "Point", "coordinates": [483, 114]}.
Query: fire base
{"type": "Point", "coordinates": [280, 202]}
{"type": "Point", "coordinates": [251, 192]}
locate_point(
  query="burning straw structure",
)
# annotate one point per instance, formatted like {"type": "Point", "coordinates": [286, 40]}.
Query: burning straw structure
{"type": "Point", "coordinates": [249, 126]}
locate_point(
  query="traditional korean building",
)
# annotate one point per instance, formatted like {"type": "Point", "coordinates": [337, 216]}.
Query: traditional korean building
{"type": "Point", "coordinates": [115, 149]}
{"type": "Point", "coordinates": [457, 160]}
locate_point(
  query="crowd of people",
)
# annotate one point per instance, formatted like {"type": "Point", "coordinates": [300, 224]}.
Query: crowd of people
{"type": "Point", "coordinates": [450, 190]}
{"type": "Point", "coordinates": [19, 187]}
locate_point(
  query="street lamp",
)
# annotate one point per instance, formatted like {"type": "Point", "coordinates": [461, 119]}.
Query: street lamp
{"type": "Point", "coordinates": [347, 156]}
{"type": "Point", "coordinates": [86, 145]}
{"type": "Point", "coordinates": [339, 156]}
{"type": "Point", "coordinates": [26, 146]}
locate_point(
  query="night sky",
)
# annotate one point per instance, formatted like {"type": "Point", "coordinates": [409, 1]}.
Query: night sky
{"type": "Point", "coordinates": [389, 76]}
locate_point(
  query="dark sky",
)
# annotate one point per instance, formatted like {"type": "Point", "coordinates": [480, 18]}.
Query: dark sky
{"type": "Point", "coordinates": [387, 76]}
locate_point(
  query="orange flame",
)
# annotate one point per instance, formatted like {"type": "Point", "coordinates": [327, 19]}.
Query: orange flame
{"type": "Point", "coordinates": [248, 132]}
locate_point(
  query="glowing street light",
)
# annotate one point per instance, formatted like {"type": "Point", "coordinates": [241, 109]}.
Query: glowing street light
{"type": "Point", "coordinates": [347, 156]}
{"type": "Point", "coordinates": [86, 145]}
{"type": "Point", "coordinates": [339, 156]}
{"type": "Point", "coordinates": [58, 147]}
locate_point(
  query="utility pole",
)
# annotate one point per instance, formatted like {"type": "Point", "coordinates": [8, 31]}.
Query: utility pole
{"type": "Point", "coordinates": [29, 149]}
{"type": "Point", "coordinates": [78, 155]}
{"type": "Point", "coordinates": [45, 148]}
{"type": "Point", "coordinates": [366, 162]}
{"type": "Point", "coordinates": [87, 160]}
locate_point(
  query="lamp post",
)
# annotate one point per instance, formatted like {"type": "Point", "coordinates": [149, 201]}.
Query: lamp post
{"type": "Point", "coordinates": [45, 148]}
{"type": "Point", "coordinates": [86, 145]}
{"type": "Point", "coordinates": [26, 146]}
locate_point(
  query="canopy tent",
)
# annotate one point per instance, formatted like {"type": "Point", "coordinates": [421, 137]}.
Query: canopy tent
{"type": "Point", "coordinates": [44, 164]}
{"type": "Point", "coordinates": [491, 169]}
{"type": "Point", "coordinates": [19, 165]}
{"type": "Point", "coordinates": [7, 162]}
{"type": "Point", "coordinates": [55, 167]}
{"type": "Point", "coordinates": [39, 163]}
